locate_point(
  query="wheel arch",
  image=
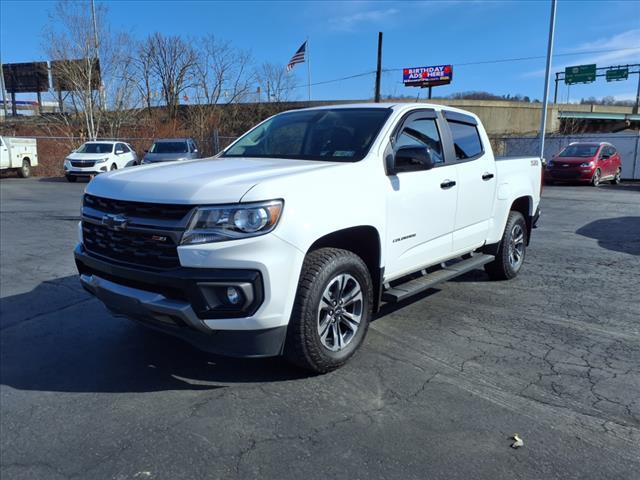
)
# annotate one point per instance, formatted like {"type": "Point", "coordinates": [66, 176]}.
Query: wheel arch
{"type": "Point", "coordinates": [524, 205]}
{"type": "Point", "coordinates": [364, 241]}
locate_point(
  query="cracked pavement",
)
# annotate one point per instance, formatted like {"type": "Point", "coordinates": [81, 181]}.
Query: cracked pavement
{"type": "Point", "coordinates": [440, 385]}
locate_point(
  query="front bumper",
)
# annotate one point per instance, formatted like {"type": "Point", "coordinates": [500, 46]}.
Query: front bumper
{"type": "Point", "coordinates": [576, 174]}
{"type": "Point", "coordinates": [184, 302]}
{"type": "Point", "coordinates": [71, 171]}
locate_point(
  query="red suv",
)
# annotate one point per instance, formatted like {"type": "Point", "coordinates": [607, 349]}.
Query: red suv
{"type": "Point", "coordinates": [585, 162]}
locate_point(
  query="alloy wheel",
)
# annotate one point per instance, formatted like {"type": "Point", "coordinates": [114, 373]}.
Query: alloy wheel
{"type": "Point", "coordinates": [340, 312]}
{"type": "Point", "coordinates": [516, 247]}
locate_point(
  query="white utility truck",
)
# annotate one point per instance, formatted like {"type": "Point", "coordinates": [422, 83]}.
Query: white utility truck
{"type": "Point", "coordinates": [289, 240]}
{"type": "Point", "coordinates": [19, 154]}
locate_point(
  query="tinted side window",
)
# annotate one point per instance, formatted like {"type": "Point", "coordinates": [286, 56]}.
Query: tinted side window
{"type": "Point", "coordinates": [466, 140]}
{"type": "Point", "coordinates": [422, 132]}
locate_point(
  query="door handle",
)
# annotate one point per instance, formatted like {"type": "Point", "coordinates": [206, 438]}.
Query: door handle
{"type": "Point", "coordinates": [447, 184]}
{"type": "Point", "coordinates": [487, 176]}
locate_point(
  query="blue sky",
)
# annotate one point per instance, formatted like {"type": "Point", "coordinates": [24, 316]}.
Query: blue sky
{"type": "Point", "coordinates": [343, 38]}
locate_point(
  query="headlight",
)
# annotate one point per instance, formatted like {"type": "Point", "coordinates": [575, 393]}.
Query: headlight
{"type": "Point", "coordinates": [232, 222]}
{"type": "Point", "coordinates": [101, 160]}
{"type": "Point", "coordinates": [587, 164]}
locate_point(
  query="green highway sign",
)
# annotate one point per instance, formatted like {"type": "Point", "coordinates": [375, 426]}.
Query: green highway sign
{"type": "Point", "coordinates": [580, 74]}
{"type": "Point", "coordinates": [615, 74]}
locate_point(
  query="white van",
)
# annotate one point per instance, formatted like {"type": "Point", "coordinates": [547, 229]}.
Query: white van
{"type": "Point", "coordinates": [19, 154]}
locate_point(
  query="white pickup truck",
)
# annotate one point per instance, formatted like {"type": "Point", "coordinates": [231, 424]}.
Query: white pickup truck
{"type": "Point", "coordinates": [19, 154]}
{"type": "Point", "coordinates": [289, 240]}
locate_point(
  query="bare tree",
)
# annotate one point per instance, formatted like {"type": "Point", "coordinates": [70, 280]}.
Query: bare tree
{"type": "Point", "coordinates": [277, 84]}
{"type": "Point", "coordinates": [222, 75]}
{"type": "Point", "coordinates": [171, 62]}
{"type": "Point", "coordinates": [92, 87]}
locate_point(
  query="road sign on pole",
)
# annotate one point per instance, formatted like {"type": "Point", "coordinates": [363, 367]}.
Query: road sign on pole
{"type": "Point", "coordinates": [580, 74]}
{"type": "Point", "coordinates": [616, 74]}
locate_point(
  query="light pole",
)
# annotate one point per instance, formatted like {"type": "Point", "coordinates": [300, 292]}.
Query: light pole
{"type": "Point", "coordinates": [543, 120]}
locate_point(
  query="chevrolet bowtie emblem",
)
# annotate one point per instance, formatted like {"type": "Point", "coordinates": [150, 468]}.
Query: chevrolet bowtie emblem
{"type": "Point", "coordinates": [114, 222]}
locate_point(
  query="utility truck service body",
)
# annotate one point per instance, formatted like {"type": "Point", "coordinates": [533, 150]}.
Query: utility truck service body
{"type": "Point", "coordinates": [290, 239]}
{"type": "Point", "coordinates": [19, 154]}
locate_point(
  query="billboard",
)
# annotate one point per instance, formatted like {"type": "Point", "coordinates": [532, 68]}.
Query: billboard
{"type": "Point", "coordinates": [67, 75]}
{"type": "Point", "coordinates": [26, 77]}
{"type": "Point", "coordinates": [427, 76]}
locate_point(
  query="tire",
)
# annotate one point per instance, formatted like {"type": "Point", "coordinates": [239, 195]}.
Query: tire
{"type": "Point", "coordinates": [616, 180]}
{"type": "Point", "coordinates": [334, 275]}
{"type": "Point", "coordinates": [113, 167]}
{"type": "Point", "coordinates": [71, 178]}
{"type": "Point", "coordinates": [25, 170]}
{"type": "Point", "coordinates": [595, 180]}
{"type": "Point", "coordinates": [509, 259]}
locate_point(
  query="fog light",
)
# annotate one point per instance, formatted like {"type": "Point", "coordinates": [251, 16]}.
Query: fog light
{"type": "Point", "coordinates": [233, 295]}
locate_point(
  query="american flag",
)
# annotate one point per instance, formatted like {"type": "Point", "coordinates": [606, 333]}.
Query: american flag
{"type": "Point", "coordinates": [298, 57]}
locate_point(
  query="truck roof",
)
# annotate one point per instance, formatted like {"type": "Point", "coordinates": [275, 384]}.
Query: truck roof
{"type": "Point", "coordinates": [396, 106]}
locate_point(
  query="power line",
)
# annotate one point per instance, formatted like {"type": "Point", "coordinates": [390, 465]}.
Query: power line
{"type": "Point", "coordinates": [519, 59]}
{"type": "Point", "coordinates": [480, 62]}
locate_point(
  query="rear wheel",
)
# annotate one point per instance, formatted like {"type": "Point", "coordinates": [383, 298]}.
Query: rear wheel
{"type": "Point", "coordinates": [595, 180]}
{"type": "Point", "coordinates": [25, 170]}
{"type": "Point", "coordinates": [616, 179]}
{"type": "Point", "coordinates": [331, 312]}
{"type": "Point", "coordinates": [512, 249]}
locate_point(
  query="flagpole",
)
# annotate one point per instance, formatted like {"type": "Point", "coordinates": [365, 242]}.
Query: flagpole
{"type": "Point", "coordinates": [308, 70]}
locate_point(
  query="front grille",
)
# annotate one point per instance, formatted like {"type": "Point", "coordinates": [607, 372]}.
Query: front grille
{"type": "Point", "coordinates": [137, 209]}
{"type": "Point", "coordinates": [145, 234]}
{"type": "Point", "coordinates": [83, 163]}
{"type": "Point", "coordinates": [130, 247]}
{"type": "Point", "coordinates": [566, 174]}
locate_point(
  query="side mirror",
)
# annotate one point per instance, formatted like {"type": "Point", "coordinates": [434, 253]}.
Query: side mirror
{"type": "Point", "coordinates": [146, 151]}
{"type": "Point", "coordinates": [409, 159]}
{"type": "Point", "coordinates": [119, 152]}
{"type": "Point", "coordinates": [605, 156]}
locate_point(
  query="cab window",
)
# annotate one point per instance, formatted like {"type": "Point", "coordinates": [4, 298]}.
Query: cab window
{"type": "Point", "coordinates": [422, 132]}
{"type": "Point", "coordinates": [466, 140]}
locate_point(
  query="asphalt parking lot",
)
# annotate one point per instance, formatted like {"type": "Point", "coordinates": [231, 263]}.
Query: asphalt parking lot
{"type": "Point", "coordinates": [436, 392]}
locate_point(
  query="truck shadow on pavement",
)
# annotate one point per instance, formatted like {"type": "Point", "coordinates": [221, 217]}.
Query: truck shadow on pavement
{"type": "Point", "coordinates": [621, 234]}
{"type": "Point", "coordinates": [58, 338]}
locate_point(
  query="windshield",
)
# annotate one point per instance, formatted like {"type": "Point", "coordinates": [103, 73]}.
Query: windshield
{"type": "Point", "coordinates": [337, 135]}
{"type": "Point", "coordinates": [96, 148]}
{"type": "Point", "coordinates": [579, 151]}
{"type": "Point", "coordinates": [169, 147]}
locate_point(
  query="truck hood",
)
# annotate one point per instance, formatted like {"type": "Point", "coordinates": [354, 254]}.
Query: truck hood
{"type": "Point", "coordinates": [203, 181]}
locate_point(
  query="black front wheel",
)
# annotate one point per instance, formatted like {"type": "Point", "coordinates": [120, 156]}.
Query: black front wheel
{"type": "Point", "coordinates": [616, 179]}
{"type": "Point", "coordinates": [25, 170]}
{"type": "Point", "coordinates": [512, 249]}
{"type": "Point", "coordinates": [332, 310]}
{"type": "Point", "coordinates": [71, 178]}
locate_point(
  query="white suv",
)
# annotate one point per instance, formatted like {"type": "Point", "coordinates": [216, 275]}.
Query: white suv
{"type": "Point", "coordinates": [97, 157]}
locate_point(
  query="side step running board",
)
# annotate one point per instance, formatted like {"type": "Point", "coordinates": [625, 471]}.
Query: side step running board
{"type": "Point", "coordinates": [404, 290]}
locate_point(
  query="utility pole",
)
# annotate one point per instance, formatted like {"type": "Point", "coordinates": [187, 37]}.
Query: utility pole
{"type": "Point", "coordinates": [543, 120]}
{"type": "Point", "coordinates": [379, 68]}
{"type": "Point", "coordinates": [635, 107]}
{"type": "Point", "coordinates": [96, 44]}
{"type": "Point", "coordinates": [4, 92]}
